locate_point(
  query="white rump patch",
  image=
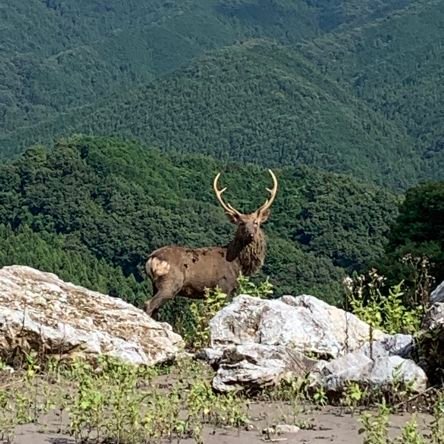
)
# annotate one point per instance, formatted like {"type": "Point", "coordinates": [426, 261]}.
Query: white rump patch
{"type": "Point", "coordinates": [158, 267]}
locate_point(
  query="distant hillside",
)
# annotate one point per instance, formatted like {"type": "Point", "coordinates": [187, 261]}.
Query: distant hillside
{"type": "Point", "coordinates": [56, 55]}
{"type": "Point", "coordinates": [92, 209]}
{"type": "Point", "coordinates": [348, 86]}
{"type": "Point", "coordinates": [396, 65]}
{"type": "Point", "coordinates": [254, 102]}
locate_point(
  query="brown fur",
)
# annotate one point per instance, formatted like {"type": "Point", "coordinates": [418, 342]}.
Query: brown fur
{"type": "Point", "coordinates": [180, 271]}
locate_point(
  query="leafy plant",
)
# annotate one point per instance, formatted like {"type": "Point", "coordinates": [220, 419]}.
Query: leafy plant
{"type": "Point", "coordinates": [375, 427]}
{"type": "Point", "coordinates": [367, 299]}
{"type": "Point", "coordinates": [410, 434]}
{"type": "Point", "coordinates": [261, 290]}
{"type": "Point", "coordinates": [354, 395]}
{"type": "Point", "coordinates": [437, 424]}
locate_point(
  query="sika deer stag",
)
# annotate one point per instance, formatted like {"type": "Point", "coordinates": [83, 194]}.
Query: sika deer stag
{"type": "Point", "coordinates": [187, 272]}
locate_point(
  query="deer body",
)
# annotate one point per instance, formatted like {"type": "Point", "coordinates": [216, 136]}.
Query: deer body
{"type": "Point", "coordinates": [180, 271]}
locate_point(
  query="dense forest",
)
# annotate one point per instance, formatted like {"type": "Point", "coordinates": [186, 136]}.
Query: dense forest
{"type": "Point", "coordinates": [396, 66]}
{"type": "Point", "coordinates": [93, 208]}
{"type": "Point", "coordinates": [58, 54]}
{"type": "Point", "coordinates": [346, 86]}
{"type": "Point", "coordinates": [115, 117]}
{"type": "Point", "coordinates": [229, 106]}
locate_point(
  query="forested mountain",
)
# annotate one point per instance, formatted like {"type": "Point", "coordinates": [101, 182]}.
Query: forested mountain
{"type": "Point", "coordinates": [255, 102]}
{"type": "Point", "coordinates": [60, 54]}
{"type": "Point", "coordinates": [347, 86]}
{"type": "Point", "coordinates": [92, 209]}
{"type": "Point", "coordinates": [395, 65]}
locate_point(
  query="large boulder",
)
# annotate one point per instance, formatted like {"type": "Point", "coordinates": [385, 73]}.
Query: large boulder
{"type": "Point", "coordinates": [40, 311]}
{"type": "Point", "coordinates": [257, 366]}
{"type": "Point", "coordinates": [257, 342]}
{"type": "Point", "coordinates": [304, 323]}
{"type": "Point", "coordinates": [374, 365]}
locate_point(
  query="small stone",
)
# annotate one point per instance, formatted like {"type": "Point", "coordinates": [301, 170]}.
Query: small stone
{"type": "Point", "coordinates": [7, 369]}
{"type": "Point", "coordinates": [287, 428]}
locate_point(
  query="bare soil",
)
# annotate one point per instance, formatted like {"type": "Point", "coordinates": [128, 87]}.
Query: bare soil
{"type": "Point", "coordinates": [316, 425]}
{"type": "Point", "coordinates": [328, 424]}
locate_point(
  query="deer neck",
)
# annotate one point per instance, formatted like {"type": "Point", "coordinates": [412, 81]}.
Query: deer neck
{"type": "Point", "coordinates": [250, 256]}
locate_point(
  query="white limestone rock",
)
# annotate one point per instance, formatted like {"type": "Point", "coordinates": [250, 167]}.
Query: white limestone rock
{"type": "Point", "coordinates": [40, 311]}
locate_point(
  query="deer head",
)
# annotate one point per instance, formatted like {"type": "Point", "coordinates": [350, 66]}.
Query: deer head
{"type": "Point", "coordinates": [248, 224]}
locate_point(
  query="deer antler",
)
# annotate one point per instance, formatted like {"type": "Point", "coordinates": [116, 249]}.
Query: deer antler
{"type": "Point", "coordinates": [226, 206]}
{"type": "Point", "coordinates": [273, 191]}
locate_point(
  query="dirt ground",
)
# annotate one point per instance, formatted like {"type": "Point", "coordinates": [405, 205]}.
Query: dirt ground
{"type": "Point", "coordinates": [329, 424]}
{"type": "Point", "coordinates": [316, 424]}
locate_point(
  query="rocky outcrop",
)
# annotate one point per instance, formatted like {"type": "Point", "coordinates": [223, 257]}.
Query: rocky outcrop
{"type": "Point", "coordinates": [303, 323]}
{"type": "Point", "coordinates": [40, 311]}
{"type": "Point", "coordinates": [258, 366]}
{"type": "Point", "coordinates": [256, 342]}
{"type": "Point", "coordinates": [373, 365]}
{"type": "Point", "coordinates": [437, 295]}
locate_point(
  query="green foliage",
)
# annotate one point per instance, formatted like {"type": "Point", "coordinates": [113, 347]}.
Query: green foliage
{"type": "Point", "coordinates": [354, 395]}
{"type": "Point", "coordinates": [287, 114]}
{"type": "Point", "coordinates": [112, 401]}
{"type": "Point", "coordinates": [366, 298]}
{"type": "Point", "coordinates": [375, 428]}
{"type": "Point", "coordinates": [191, 318]}
{"type": "Point", "coordinates": [395, 65]}
{"type": "Point", "coordinates": [410, 434]}
{"type": "Point", "coordinates": [262, 290]}
{"type": "Point", "coordinates": [218, 410]}
{"type": "Point", "coordinates": [59, 56]}
{"type": "Point", "coordinates": [437, 425]}
{"type": "Point", "coordinates": [92, 209]}
{"type": "Point", "coordinates": [349, 86]}
{"type": "Point", "coordinates": [415, 250]}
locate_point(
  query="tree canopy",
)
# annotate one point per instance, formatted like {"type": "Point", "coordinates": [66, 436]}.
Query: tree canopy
{"type": "Point", "coordinates": [93, 208]}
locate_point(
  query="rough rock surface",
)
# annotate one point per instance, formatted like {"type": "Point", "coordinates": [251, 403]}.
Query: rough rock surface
{"type": "Point", "coordinates": [40, 311]}
{"type": "Point", "coordinates": [434, 318]}
{"type": "Point", "coordinates": [303, 323]}
{"type": "Point", "coordinates": [258, 365]}
{"type": "Point", "coordinates": [373, 365]}
{"type": "Point", "coordinates": [437, 294]}
{"type": "Point", "coordinates": [256, 342]}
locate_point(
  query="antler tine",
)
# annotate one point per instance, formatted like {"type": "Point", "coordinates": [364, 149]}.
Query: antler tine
{"type": "Point", "coordinates": [273, 191]}
{"type": "Point", "coordinates": [226, 206]}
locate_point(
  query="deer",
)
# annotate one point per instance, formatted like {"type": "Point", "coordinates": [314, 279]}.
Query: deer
{"type": "Point", "coordinates": [189, 272]}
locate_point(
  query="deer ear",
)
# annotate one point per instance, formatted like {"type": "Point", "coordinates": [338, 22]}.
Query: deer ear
{"type": "Point", "coordinates": [264, 215]}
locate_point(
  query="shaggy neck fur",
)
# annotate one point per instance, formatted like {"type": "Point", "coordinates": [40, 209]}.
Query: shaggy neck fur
{"type": "Point", "coordinates": [250, 255]}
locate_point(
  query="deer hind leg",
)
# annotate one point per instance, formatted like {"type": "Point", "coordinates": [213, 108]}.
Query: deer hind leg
{"type": "Point", "coordinates": [166, 287]}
